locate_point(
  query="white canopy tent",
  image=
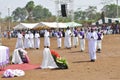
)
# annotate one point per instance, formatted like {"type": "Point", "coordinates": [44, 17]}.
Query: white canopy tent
{"type": "Point", "coordinates": [50, 25]}
{"type": "Point", "coordinates": [23, 26]}
{"type": "Point", "coordinates": [73, 24]}
{"type": "Point", "coordinates": [42, 25]}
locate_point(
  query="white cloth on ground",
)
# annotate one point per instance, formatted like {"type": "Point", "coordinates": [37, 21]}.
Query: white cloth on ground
{"type": "Point", "coordinates": [13, 73]}
{"type": "Point", "coordinates": [48, 61]}
{"type": "Point", "coordinates": [16, 59]}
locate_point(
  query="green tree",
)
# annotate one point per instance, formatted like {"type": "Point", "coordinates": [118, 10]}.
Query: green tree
{"type": "Point", "coordinates": [111, 10]}
{"type": "Point", "coordinates": [19, 14]}
{"type": "Point", "coordinates": [29, 7]}
{"type": "Point", "coordinates": [46, 13]}
{"type": "Point", "coordinates": [79, 15]}
{"type": "Point", "coordinates": [40, 13]}
{"type": "Point", "coordinates": [91, 12]}
{"type": "Point", "coordinates": [37, 12]}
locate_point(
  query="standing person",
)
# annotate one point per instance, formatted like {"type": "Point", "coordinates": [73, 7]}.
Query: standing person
{"type": "Point", "coordinates": [81, 35]}
{"type": "Point", "coordinates": [19, 43]}
{"type": "Point", "coordinates": [75, 37]}
{"type": "Point", "coordinates": [46, 39]}
{"type": "Point", "coordinates": [99, 40]}
{"type": "Point", "coordinates": [27, 41]}
{"type": "Point", "coordinates": [31, 39]}
{"type": "Point", "coordinates": [65, 40]}
{"type": "Point", "coordinates": [37, 40]}
{"type": "Point", "coordinates": [68, 38]}
{"type": "Point", "coordinates": [8, 34]}
{"type": "Point", "coordinates": [59, 38]}
{"type": "Point", "coordinates": [92, 44]}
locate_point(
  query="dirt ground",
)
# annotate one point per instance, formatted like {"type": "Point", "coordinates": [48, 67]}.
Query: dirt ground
{"type": "Point", "coordinates": [107, 66]}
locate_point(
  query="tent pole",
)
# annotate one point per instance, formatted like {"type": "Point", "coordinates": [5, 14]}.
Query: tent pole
{"type": "Point", "coordinates": [57, 2]}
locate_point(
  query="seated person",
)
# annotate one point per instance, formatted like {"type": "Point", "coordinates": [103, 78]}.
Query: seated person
{"type": "Point", "coordinates": [20, 56]}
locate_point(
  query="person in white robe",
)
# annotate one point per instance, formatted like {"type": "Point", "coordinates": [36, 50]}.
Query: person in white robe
{"type": "Point", "coordinates": [92, 44]}
{"type": "Point", "coordinates": [68, 38]}
{"type": "Point", "coordinates": [19, 56]}
{"type": "Point", "coordinates": [27, 41]}
{"type": "Point", "coordinates": [37, 40]}
{"type": "Point", "coordinates": [19, 43]}
{"type": "Point", "coordinates": [46, 39]}
{"type": "Point", "coordinates": [31, 40]}
{"type": "Point", "coordinates": [81, 36]}
{"type": "Point", "coordinates": [59, 38]}
{"type": "Point", "coordinates": [48, 61]}
{"type": "Point", "coordinates": [99, 40]}
{"type": "Point", "coordinates": [75, 37]}
{"type": "Point", "coordinates": [65, 40]}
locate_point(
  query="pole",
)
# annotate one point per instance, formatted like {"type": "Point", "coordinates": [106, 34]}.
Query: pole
{"type": "Point", "coordinates": [9, 19]}
{"type": "Point", "coordinates": [57, 12]}
{"type": "Point", "coordinates": [117, 8]}
{"type": "Point", "coordinates": [72, 11]}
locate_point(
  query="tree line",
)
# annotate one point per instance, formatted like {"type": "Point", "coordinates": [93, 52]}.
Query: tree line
{"type": "Point", "coordinates": [37, 13]}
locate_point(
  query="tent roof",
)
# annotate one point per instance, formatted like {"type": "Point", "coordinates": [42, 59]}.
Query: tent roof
{"type": "Point", "coordinates": [44, 25]}
{"type": "Point", "coordinates": [25, 26]}
{"type": "Point", "coordinates": [73, 24]}
{"type": "Point", "coordinates": [56, 25]}
{"type": "Point", "coordinates": [50, 25]}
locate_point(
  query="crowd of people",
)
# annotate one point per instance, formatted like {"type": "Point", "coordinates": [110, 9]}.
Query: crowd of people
{"type": "Point", "coordinates": [72, 38]}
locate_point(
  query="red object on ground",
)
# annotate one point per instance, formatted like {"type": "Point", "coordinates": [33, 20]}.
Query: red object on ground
{"type": "Point", "coordinates": [21, 67]}
{"type": "Point", "coordinates": [55, 53]}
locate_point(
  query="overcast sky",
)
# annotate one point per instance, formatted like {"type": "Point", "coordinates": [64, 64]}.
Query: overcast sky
{"type": "Point", "coordinates": [50, 4]}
